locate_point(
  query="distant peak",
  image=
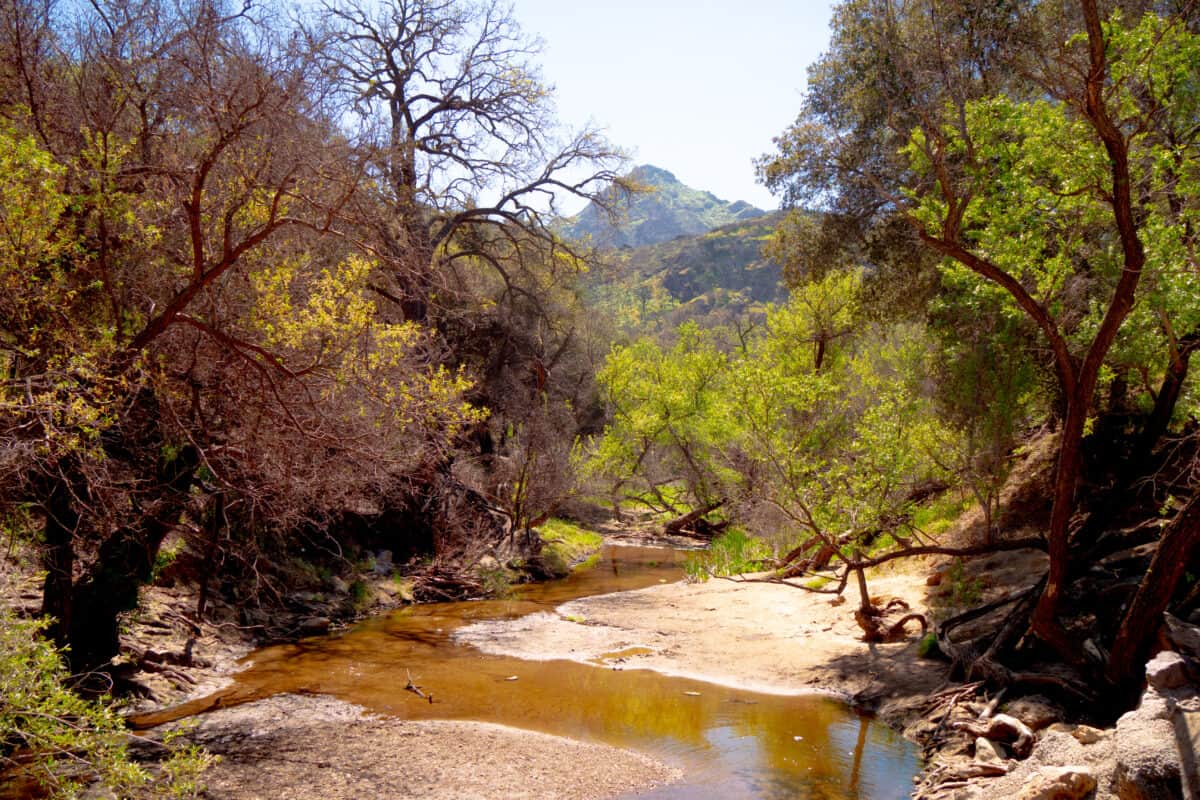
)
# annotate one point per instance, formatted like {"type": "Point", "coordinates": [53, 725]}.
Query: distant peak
{"type": "Point", "coordinates": [648, 173]}
{"type": "Point", "coordinates": [669, 210]}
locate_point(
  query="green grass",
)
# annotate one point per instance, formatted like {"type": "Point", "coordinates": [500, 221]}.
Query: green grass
{"type": "Point", "coordinates": [940, 513]}
{"type": "Point", "coordinates": [731, 553]}
{"type": "Point", "coordinates": [567, 544]}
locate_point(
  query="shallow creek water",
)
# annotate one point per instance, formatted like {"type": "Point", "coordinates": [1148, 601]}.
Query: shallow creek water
{"type": "Point", "coordinates": [729, 743]}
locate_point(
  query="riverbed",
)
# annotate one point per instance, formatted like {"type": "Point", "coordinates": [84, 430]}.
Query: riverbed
{"type": "Point", "coordinates": [724, 741]}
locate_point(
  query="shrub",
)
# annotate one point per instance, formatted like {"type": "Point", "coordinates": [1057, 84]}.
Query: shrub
{"type": "Point", "coordinates": [731, 553]}
{"type": "Point", "coordinates": [62, 742]}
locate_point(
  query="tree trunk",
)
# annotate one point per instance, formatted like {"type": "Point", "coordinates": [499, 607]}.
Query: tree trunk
{"type": "Point", "coordinates": [1164, 404]}
{"type": "Point", "coordinates": [687, 524]}
{"type": "Point", "coordinates": [124, 564]}
{"type": "Point", "coordinates": [58, 558]}
{"type": "Point", "coordinates": [216, 524]}
{"type": "Point", "coordinates": [1142, 620]}
{"type": "Point", "coordinates": [1044, 623]}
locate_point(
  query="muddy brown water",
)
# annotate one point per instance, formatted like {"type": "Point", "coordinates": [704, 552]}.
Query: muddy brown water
{"type": "Point", "coordinates": [729, 743]}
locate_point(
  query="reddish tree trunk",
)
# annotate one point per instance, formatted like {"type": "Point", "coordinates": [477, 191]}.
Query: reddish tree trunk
{"type": "Point", "coordinates": [1158, 585]}
{"type": "Point", "coordinates": [1044, 622]}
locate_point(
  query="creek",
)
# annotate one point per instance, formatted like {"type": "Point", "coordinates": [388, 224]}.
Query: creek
{"type": "Point", "coordinates": [729, 743]}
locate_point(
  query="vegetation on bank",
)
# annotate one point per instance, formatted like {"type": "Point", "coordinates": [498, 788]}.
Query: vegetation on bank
{"type": "Point", "coordinates": [566, 544]}
{"type": "Point", "coordinates": [62, 744]}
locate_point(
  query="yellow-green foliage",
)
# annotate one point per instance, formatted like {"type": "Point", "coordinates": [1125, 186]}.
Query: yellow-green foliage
{"type": "Point", "coordinates": [565, 543]}
{"type": "Point", "coordinates": [731, 553]}
{"type": "Point", "coordinates": [332, 314]}
{"type": "Point", "coordinates": [939, 514]}
{"type": "Point", "coordinates": [72, 741]}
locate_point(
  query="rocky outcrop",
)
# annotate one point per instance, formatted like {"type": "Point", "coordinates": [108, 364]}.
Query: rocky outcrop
{"type": "Point", "coordinates": [1150, 754]}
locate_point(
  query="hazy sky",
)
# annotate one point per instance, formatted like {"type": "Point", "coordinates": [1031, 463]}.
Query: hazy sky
{"type": "Point", "coordinates": [697, 88]}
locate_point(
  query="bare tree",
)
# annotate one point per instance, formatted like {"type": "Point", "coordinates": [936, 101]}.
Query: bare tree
{"type": "Point", "coordinates": [460, 127]}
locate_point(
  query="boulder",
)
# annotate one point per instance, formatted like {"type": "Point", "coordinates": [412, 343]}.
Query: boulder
{"type": "Point", "coordinates": [1059, 783]}
{"type": "Point", "coordinates": [1184, 636]}
{"type": "Point", "coordinates": [1166, 671]}
{"type": "Point", "coordinates": [1086, 734]}
{"type": "Point", "coordinates": [1148, 765]}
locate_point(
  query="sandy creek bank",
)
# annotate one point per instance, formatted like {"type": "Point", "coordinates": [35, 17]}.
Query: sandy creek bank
{"type": "Point", "coordinates": [763, 637]}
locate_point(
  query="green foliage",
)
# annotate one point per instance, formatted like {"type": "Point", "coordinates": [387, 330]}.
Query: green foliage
{"type": "Point", "coordinates": [63, 742]}
{"type": "Point", "coordinates": [732, 553]}
{"type": "Point", "coordinates": [928, 646]}
{"type": "Point", "coordinates": [496, 581]}
{"type": "Point", "coordinates": [937, 515]}
{"type": "Point", "coordinates": [962, 590]}
{"type": "Point", "coordinates": [360, 594]}
{"type": "Point", "coordinates": [668, 415]}
{"type": "Point", "coordinates": [565, 545]}
{"type": "Point", "coordinates": [1039, 209]}
{"type": "Point", "coordinates": [824, 417]}
{"type": "Point", "coordinates": [165, 557]}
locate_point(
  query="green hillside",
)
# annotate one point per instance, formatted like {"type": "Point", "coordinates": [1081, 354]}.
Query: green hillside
{"type": "Point", "coordinates": [711, 278]}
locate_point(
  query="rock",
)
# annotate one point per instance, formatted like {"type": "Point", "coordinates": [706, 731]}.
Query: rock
{"type": "Point", "coordinates": [1187, 732]}
{"type": "Point", "coordinates": [487, 564]}
{"type": "Point", "coordinates": [339, 585]}
{"type": "Point", "coordinates": [388, 588]}
{"type": "Point", "coordinates": [1147, 759]}
{"type": "Point", "coordinates": [988, 752]}
{"type": "Point", "coordinates": [1184, 636]}
{"type": "Point", "coordinates": [313, 626]}
{"type": "Point", "coordinates": [1086, 734]}
{"type": "Point", "coordinates": [1059, 783]}
{"type": "Point", "coordinates": [1035, 711]}
{"type": "Point", "coordinates": [383, 562]}
{"type": "Point", "coordinates": [1167, 670]}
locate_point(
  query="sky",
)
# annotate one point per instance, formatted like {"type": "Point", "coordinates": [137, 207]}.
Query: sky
{"type": "Point", "coordinates": [698, 88]}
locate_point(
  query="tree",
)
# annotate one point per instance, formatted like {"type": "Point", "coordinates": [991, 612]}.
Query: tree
{"type": "Point", "coordinates": [1042, 165]}
{"type": "Point", "coordinates": [184, 315]}
{"type": "Point", "coordinates": [459, 127]}
{"type": "Point", "coordinates": [668, 421]}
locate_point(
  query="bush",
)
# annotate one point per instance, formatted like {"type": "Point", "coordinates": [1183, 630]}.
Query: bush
{"type": "Point", "coordinates": [731, 553]}
{"type": "Point", "coordinates": [53, 737]}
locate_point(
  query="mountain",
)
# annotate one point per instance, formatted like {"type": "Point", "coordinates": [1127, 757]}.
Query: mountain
{"type": "Point", "coordinates": [667, 210]}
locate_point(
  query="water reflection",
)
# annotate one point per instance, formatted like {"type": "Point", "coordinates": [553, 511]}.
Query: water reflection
{"type": "Point", "coordinates": [730, 744]}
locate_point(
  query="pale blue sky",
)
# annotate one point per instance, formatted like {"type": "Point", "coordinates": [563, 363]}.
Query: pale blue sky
{"type": "Point", "coordinates": [696, 88]}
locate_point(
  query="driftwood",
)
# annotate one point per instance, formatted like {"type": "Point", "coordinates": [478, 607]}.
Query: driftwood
{"type": "Point", "coordinates": [441, 583]}
{"type": "Point", "coordinates": [694, 524]}
{"type": "Point", "coordinates": [412, 687]}
{"type": "Point", "coordinates": [876, 627]}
